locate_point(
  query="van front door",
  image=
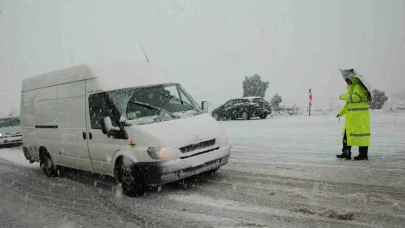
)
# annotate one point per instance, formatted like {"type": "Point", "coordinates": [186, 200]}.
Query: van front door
{"type": "Point", "coordinates": [101, 148]}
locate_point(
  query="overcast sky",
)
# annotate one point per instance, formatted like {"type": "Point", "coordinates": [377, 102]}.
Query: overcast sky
{"type": "Point", "coordinates": [210, 46]}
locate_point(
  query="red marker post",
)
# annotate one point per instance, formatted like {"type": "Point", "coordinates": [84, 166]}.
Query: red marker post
{"type": "Point", "coordinates": [310, 101]}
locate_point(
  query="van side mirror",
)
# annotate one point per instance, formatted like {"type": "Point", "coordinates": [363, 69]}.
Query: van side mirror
{"type": "Point", "coordinates": [204, 106]}
{"type": "Point", "coordinates": [107, 127]}
{"type": "Point", "coordinates": [104, 122]}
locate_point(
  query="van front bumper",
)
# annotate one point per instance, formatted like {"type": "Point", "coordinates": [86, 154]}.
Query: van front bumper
{"type": "Point", "coordinates": [160, 173]}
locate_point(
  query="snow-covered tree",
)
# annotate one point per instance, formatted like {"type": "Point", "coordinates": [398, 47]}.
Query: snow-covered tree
{"type": "Point", "coordinates": [276, 100]}
{"type": "Point", "coordinates": [378, 99]}
{"type": "Point", "coordinates": [254, 86]}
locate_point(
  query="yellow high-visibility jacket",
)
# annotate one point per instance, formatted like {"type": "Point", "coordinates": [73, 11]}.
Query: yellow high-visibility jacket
{"type": "Point", "coordinates": [356, 109]}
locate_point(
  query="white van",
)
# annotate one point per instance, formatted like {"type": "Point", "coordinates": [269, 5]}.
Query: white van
{"type": "Point", "coordinates": [130, 121]}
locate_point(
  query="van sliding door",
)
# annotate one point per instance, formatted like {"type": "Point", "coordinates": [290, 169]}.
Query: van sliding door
{"type": "Point", "coordinates": [69, 146]}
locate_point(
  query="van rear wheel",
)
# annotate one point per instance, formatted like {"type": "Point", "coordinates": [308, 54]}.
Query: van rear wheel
{"type": "Point", "coordinates": [130, 179]}
{"type": "Point", "coordinates": [47, 164]}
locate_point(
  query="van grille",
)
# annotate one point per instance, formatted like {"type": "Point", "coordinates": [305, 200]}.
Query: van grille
{"type": "Point", "coordinates": [197, 146]}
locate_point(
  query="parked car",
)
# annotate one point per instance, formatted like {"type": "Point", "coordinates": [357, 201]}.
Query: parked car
{"type": "Point", "coordinates": [244, 108]}
{"type": "Point", "coordinates": [10, 131]}
{"type": "Point", "coordinates": [126, 120]}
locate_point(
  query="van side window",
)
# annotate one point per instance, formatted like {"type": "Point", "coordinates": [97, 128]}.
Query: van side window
{"type": "Point", "coordinates": [99, 108]}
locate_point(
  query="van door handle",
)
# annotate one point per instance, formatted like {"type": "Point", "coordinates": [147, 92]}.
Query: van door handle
{"type": "Point", "coordinates": [90, 136]}
{"type": "Point", "coordinates": [84, 135]}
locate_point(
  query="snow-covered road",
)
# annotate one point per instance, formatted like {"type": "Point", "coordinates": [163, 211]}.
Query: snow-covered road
{"type": "Point", "coordinates": [282, 173]}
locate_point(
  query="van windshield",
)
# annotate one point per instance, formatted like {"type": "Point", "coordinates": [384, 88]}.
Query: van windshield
{"type": "Point", "coordinates": [9, 122]}
{"type": "Point", "coordinates": [144, 105]}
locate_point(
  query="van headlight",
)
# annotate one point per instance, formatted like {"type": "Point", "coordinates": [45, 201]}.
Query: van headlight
{"type": "Point", "coordinates": [223, 139]}
{"type": "Point", "coordinates": [161, 152]}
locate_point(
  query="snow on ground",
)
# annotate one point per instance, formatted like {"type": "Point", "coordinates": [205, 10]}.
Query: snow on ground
{"type": "Point", "coordinates": [16, 156]}
{"type": "Point", "coordinates": [300, 142]}
{"type": "Point", "coordinates": [282, 173]}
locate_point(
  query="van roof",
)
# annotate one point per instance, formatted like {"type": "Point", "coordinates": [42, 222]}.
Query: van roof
{"type": "Point", "coordinates": [112, 75]}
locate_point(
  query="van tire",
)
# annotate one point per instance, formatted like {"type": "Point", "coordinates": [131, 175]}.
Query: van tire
{"type": "Point", "coordinates": [46, 163]}
{"type": "Point", "coordinates": [129, 178]}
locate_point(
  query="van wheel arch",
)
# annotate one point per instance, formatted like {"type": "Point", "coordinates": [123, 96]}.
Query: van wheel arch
{"type": "Point", "coordinates": [124, 170]}
{"type": "Point", "coordinates": [42, 152]}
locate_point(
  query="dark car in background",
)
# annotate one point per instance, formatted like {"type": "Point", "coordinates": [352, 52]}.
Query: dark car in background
{"type": "Point", "coordinates": [243, 108]}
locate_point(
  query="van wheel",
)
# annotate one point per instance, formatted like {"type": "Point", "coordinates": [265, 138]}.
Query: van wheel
{"type": "Point", "coordinates": [130, 179]}
{"type": "Point", "coordinates": [47, 164]}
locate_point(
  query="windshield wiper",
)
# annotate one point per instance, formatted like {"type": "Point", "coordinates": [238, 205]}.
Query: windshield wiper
{"type": "Point", "coordinates": [181, 101]}
{"type": "Point", "coordinates": [153, 108]}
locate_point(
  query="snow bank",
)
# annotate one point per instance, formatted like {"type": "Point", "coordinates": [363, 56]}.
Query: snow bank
{"type": "Point", "coordinates": [198, 217]}
{"type": "Point", "coordinates": [327, 212]}
{"type": "Point", "coordinates": [16, 156]}
{"type": "Point", "coordinates": [231, 205]}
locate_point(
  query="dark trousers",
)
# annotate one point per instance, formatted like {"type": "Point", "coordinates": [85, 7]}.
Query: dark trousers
{"type": "Point", "coordinates": [346, 148]}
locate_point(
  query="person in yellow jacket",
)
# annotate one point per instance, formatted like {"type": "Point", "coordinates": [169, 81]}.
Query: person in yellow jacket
{"type": "Point", "coordinates": [356, 131]}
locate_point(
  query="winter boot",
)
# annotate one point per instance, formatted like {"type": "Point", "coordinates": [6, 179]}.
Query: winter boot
{"type": "Point", "coordinates": [363, 150]}
{"type": "Point", "coordinates": [345, 154]}
{"type": "Point", "coordinates": [342, 155]}
{"type": "Point", "coordinates": [362, 156]}
{"type": "Point", "coordinates": [349, 155]}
